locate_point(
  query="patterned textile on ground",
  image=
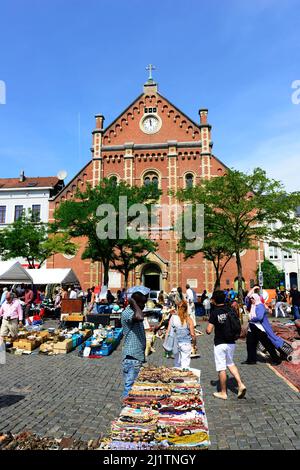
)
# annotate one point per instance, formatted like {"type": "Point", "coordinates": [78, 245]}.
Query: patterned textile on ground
{"type": "Point", "coordinates": [164, 409]}
{"type": "Point", "coordinates": [291, 370]}
{"type": "Point", "coordinates": [286, 331]}
{"type": "Point", "coordinates": [28, 441]}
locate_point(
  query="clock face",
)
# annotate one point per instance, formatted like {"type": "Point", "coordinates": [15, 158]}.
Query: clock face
{"type": "Point", "coordinates": [151, 124]}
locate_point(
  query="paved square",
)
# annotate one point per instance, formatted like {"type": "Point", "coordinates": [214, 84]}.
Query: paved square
{"type": "Point", "coordinates": [68, 395]}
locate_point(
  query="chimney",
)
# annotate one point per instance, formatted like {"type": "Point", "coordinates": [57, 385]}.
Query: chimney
{"type": "Point", "coordinates": [203, 115]}
{"type": "Point", "coordinates": [99, 121]}
{"type": "Point", "coordinates": [22, 176]}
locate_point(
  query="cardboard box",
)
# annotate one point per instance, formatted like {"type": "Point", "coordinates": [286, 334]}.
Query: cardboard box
{"type": "Point", "coordinates": [48, 346]}
{"type": "Point", "coordinates": [64, 346]}
{"type": "Point", "coordinates": [75, 317]}
{"type": "Point", "coordinates": [43, 336]}
{"type": "Point", "coordinates": [71, 305]}
{"type": "Point", "coordinates": [26, 344]}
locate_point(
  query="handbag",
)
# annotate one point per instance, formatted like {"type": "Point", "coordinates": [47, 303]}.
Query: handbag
{"type": "Point", "coordinates": [169, 341]}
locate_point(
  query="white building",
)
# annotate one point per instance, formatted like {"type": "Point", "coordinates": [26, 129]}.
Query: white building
{"type": "Point", "coordinates": [287, 261]}
{"type": "Point", "coordinates": [20, 194]}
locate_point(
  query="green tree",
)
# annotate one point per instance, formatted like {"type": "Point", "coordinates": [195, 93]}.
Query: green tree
{"type": "Point", "coordinates": [31, 240]}
{"type": "Point", "coordinates": [246, 207]}
{"type": "Point", "coordinates": [215, 248]}
{"type": "Point", "coordinates": [130, 255]}
{"type": "Point", "coordinates": [100, 215]}
{"type": "Point", "coordinates": [272, 275]}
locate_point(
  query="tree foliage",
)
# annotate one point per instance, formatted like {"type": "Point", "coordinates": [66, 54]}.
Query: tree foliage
{"type": "Point", "coordinates": [243, 208]}
{"type": "Point", "coordinates": [32, 241]}
{"type": "Point", "coordinates": [272, 275]}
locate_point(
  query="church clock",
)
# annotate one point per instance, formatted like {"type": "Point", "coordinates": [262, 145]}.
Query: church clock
{"type": "Point", "coordinates": [150, 124]}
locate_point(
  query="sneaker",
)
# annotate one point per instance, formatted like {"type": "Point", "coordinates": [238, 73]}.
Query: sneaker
{"type": "Point", "coordinates": [249, 362]}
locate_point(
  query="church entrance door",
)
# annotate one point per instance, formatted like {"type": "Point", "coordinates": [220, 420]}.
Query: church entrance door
{"type": "Point", "coordinates": [151, 276]}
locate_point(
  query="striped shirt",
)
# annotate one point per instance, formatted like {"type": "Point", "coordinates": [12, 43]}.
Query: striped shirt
{"type": "Point", "coordinates": [134, 336]}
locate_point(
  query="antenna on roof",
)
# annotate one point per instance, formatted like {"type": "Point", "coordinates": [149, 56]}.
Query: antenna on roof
{"type": "Point", "coordinates": [22, 176]}
{"type": "Point", "coordinates": [62, 174]}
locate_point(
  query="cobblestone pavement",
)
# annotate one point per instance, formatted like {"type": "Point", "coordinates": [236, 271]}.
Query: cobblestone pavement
{"type": "Point", "coordinates": [72, 396]}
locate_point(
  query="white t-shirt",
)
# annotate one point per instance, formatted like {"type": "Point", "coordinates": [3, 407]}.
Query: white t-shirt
{"type": "Point", "coordinates": [73, 294]}
{"type": "Point", "coordinates": [189, 296]}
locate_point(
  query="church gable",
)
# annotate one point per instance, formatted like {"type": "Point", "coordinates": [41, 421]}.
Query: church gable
{"type": "Point", "coordinates": [151, 109]}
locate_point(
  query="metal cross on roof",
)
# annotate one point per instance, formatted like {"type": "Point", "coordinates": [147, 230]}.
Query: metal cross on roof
{"type": "Point", "coordinates": [150, 67]}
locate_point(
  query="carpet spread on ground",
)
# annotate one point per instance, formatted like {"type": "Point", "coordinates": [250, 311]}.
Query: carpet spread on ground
{"type": "Point", "coordinates": [290, 333]}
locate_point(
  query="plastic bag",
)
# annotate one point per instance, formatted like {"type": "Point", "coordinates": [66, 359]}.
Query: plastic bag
{"type": "Point", "coordinates": [2, 352]}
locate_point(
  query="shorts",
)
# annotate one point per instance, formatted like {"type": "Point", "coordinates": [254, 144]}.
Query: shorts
{"type": "Point", "coordinates": [224, 356]}
{"type": "Point", "coordinates": [10, 326]}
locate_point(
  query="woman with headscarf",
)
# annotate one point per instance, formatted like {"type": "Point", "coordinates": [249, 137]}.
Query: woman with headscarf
{"type": "Point", "coordinates": [259, 329]}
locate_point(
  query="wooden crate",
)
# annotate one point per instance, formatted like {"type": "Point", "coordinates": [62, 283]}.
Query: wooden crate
{"type": "Point", "coordinates": [71, 305]}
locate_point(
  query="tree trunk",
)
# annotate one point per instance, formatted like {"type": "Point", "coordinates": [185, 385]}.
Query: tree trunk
{"type": "Point", "coordinates": [240, 278]}
{"type": "Point", "coordinates": [126, 276]}
{"type": "Point", "coordinates": [106, 275]}
{"type": "Point", "coordinates": [218, 281]}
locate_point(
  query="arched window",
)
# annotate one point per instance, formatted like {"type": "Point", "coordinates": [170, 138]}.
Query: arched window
{"type": "Point", "coordinates": [151, 177]}
{"type": "Point", "coordinates": [189, 180]}
{"type": "Point", "coordinates": [113, 180]}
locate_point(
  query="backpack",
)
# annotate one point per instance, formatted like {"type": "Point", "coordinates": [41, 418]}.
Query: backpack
{"type": "Point", "coordinates": [232, 326]}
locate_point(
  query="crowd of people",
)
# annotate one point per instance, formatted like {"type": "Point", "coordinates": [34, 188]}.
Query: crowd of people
{"type": "Point", "coordinates": [180, 337]}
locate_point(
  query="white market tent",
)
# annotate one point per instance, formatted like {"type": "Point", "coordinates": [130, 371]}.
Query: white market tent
{"type": "Point", "coordinates": [12, 272]}
{"type": "Point", "coordinates": [52, 276]}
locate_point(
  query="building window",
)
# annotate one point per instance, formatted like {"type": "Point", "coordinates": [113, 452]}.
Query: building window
{"type": "Point", "coordinates": [36, 213]}
{"type": "Point", "coordinates": [150, 110]}
{"type": "Point", "coordinates": [287, 255]}
{"type": "Point", "coordinates": [273, 252]}
{"type": "Point", "coordinates": [189, 180]}
{"type": "Point", "coordinates": [114, 180]}
{"type": "Point", "coordinates": [18, 212]}
{"type": "Point", "coordinates": [151, 177]}
{"type": "Point", "coordinates": [2, 214]}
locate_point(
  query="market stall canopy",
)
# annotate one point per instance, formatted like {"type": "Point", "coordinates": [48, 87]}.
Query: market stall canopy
{"type": "Point", "coordinates": [12, 272]}
{"type": "Point", "coordinates": [53, 276]}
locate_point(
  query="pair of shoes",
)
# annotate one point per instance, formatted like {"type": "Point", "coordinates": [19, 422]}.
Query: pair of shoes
{"type": "Point", "coordinates": [220, 395]}
{"type": "Point", "coordinates": [242, 392]}
{"type": "Point", "coordinates": [249, 362]}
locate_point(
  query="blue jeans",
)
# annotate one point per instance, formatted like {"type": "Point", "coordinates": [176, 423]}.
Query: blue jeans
{"type": "Point", "coordinates": [131, 369]}
{"type": "Point", "coordinates": [296, 312]}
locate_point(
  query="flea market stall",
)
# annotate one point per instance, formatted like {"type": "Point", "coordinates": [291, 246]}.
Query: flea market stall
{"type": "Point", "coordinates": [164, 410]}
{"type": "Point", "coordinates": [13, 273]}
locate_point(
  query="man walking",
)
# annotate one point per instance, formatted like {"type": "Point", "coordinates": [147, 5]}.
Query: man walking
{"type": "Point", "coordinates": [12, 316]}
{"type": "Point", "coordinates": [134, 336]}
{"type": "Point", "coordinates": [294, 300]}
{"type": "Point", "coordinates": [224, 344]}
{"type": "Point", "coordinates": [190, 298]}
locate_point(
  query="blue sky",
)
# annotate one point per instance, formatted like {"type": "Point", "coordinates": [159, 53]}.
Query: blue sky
{"type": "Point", "coordinates": [64, 61]}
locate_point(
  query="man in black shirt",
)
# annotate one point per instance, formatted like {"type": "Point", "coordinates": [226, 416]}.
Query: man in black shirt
{"type": "Point", "coordinates": [224, 347]}
{"type": "Point", "coordinates": [294, 299]}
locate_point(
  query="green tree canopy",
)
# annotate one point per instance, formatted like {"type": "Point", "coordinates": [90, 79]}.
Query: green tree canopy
{"type": "Point", "coordinates": [110, 216]}
{"type": "Point", "coordinates": [242, 209]}
{"type": "Point", "coordinates": [272, 275]}
{"type": "Point", "coordinates": [32, 241]}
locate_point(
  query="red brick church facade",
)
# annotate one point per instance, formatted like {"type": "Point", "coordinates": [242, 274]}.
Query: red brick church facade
{"type": "Point", "coordinates": [153, 140]}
